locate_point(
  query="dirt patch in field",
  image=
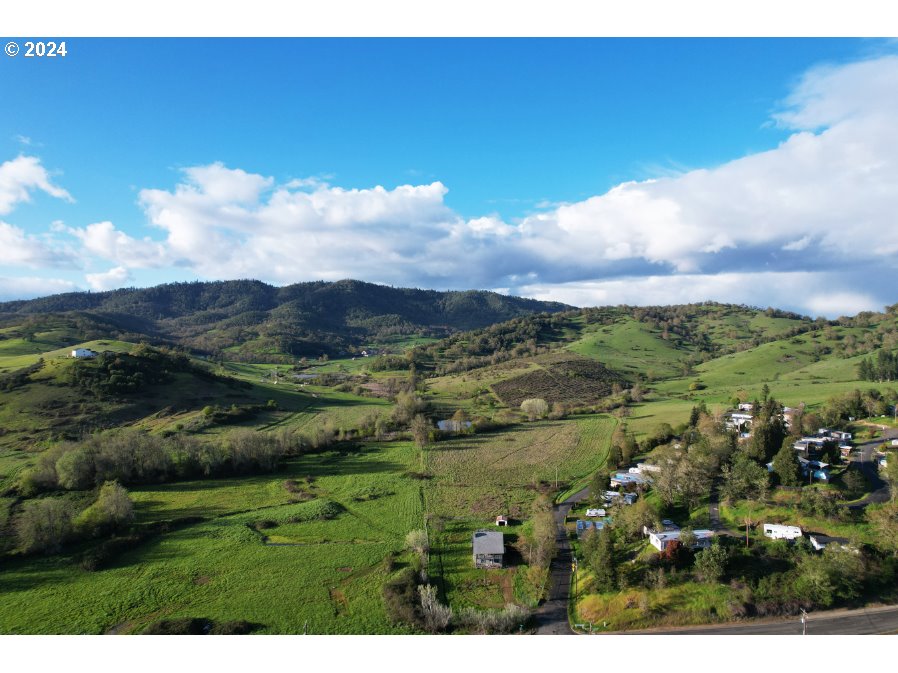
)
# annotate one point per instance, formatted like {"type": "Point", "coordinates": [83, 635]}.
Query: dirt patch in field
{"type": "Point", "coordinates": [376, 389]}
{"type": "Point", "coordinates": [489, 504]}
{"type": "Point", "coordinates": [341, 605]}
{"type": "Point", "coordinates": [202, 579]}
{"type": "Point", "coordinates": [345, 569]}
{"type": "Point", "coordinates": [507, 583]}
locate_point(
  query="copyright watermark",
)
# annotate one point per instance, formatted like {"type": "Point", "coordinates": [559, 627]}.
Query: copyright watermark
{"type": "Point", "coordinates": [11, 49]}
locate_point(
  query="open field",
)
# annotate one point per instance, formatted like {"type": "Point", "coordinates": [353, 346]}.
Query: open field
{"type": "Point", "coordinates": [328, 581]}
{"type": "Point", "coordinates": [498, 470]}
{"type": "Point", "coordinates": [478, 477]}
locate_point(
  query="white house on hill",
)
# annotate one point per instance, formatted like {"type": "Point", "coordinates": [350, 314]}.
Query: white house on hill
{"type": "Point", "coordinates": [83, 353]}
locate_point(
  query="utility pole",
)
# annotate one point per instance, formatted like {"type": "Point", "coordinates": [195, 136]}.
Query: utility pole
{"type": "Point", "coordinates": [804, 622]}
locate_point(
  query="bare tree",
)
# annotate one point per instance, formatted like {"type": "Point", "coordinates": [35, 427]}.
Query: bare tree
{"type": "Point", "coordinates": [421, 429]}
{"type": "Point", "coordinates": [535, 408]}
{"type": "Point", "coordinates": [436, 615]}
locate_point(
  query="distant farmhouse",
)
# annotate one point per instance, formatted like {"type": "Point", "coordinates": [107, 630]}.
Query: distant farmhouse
{"type": "Point", "coordinates": [83, 353]}
{"type": "Point", "coordinates": [489, 549]}
{"type": "Point", "coordinates": [625, 478]}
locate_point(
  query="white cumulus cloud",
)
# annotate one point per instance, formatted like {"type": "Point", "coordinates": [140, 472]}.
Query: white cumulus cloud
{"type": "Point", "coordinates": [21, 176]}
{"type": "Point", "coordinates": [18, 248]}
{"type": "Point", "coordinates": [108, 280]}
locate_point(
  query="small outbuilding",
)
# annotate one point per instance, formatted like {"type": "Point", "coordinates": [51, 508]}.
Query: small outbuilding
{"type": "Point", "coordinates": [83, 353]}
{"type": "Point", "coordinates": [502, 520]}
{"type": "Point", "coordinates": [489, 549]}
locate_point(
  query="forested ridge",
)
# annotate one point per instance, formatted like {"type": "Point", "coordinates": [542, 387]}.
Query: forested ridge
{"type": "Point", "coordinates": [254, 321]}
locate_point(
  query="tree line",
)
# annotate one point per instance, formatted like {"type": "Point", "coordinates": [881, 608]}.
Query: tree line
{"type": "Point", "coordinates": [133, 457]}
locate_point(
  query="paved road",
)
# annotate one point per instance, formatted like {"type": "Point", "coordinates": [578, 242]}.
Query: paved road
{"type": "Point", "coordinates": [836, 622]}
{"type": "Point", "coordinates": [551, 617]}
{"type": "Point", "coordinates": [868, 466]}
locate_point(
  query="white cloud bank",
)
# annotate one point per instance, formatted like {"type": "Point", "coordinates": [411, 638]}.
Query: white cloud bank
{"type": "Point", "coordinates": [31, 286]}
{"type": "Point", "coordinates": [808, 225]}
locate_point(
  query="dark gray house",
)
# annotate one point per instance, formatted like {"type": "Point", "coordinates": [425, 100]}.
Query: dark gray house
{"type": "Point", "coordinates": [489, 549]}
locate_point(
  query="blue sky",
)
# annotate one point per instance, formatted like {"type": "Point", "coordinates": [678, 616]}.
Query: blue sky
{"type": "Point", "coordinates": [591, 171]}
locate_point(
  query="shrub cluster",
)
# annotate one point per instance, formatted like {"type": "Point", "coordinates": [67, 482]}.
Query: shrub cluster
{"type": "Point", "coordinates": [46, 524]}
{"type": "Point", "coordinates": [19, 377]}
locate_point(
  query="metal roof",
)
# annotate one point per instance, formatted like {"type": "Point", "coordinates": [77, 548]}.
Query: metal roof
{"type": "Point", "coordinates": [488, 542]}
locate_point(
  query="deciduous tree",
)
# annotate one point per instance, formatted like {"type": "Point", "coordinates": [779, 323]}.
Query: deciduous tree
{"type": "Point", "coordinates": [535, 408]}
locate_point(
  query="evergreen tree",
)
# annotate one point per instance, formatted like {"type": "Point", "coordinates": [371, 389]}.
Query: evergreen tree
{"type": "Point", "coordinates": [599, 550]}
{"type": "Point", "coordinates": [786, 466]}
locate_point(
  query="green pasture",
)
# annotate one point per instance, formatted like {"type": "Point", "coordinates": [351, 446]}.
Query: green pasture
{"type": "Point", "coordinates": [326, 577]}
{"type": "Point", "coordinates": [631, 348]}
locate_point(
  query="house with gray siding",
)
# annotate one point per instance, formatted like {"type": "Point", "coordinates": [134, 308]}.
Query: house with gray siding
{"type": "Point", "coordinates": [489, 549]}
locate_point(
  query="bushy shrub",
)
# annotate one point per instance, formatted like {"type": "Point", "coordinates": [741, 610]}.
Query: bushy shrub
{"type": "Point", "coordinates": [401, 599]}
{"type": "Point", "coordinates": [111, 510]}
{"type": "Point", "coordinates": [508, 620]}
